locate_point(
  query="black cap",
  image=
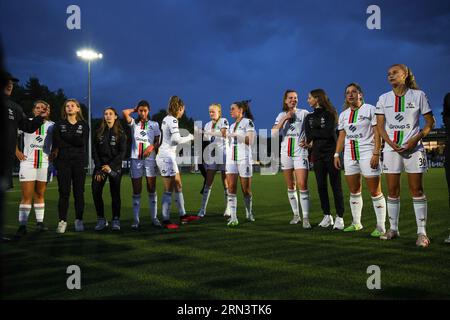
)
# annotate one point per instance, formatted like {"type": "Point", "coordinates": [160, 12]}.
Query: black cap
{"type": "Point", "coordinates": [9, 76]}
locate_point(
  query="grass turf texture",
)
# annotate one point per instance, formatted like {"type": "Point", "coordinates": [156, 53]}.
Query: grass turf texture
{"type": "Point", "coordinates": [266, 259]}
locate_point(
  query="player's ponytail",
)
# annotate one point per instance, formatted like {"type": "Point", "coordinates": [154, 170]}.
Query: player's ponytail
{"type": "Point", "coordinates": [410, 81]}
{"type": "Point", "coordinates": [245, 106]}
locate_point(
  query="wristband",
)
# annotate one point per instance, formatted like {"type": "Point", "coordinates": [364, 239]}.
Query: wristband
{"type": "Point", "coordinates": [336, 155]}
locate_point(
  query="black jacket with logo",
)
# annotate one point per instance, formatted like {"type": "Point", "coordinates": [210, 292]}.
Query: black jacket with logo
{"type": "Point", "coordinates": [320, 127]}
{"type": "Point", "coordinates": [71, 140]}
{"type": "Point", "coordinates": [109, 149]}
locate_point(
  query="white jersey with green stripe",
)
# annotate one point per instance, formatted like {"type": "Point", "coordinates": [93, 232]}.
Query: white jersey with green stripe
{"type": "Point", "coordinates": [359, 132]}
{"type": "Point", "coordinates": [402, 115]}
{"type": "Point", "coordinates": [237, 150]}
{"type": "Point", "coordinates": [143, 134]}
{"type": "Point", "coordinates": [37, 145]}
{"type": "Point", "coordinates": [292, 133]}
{"type": "Point", "coordinates": [219, 142]}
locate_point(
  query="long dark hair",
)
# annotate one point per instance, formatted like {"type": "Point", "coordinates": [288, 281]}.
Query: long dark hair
{"type": "Point", "coordinates": [446, 111]}
{"type": "Point", "coordinates": [245, 106]}
{"type": "Point", "coordinates": [285, 107]}
{"type": "Point", "coordinates": [324, 102]}
{"type": "Point", "coordinates": [117, 127]}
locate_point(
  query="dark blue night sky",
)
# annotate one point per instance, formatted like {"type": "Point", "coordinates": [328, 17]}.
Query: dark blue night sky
{"type": "Point", "coordinates": [222, 51]}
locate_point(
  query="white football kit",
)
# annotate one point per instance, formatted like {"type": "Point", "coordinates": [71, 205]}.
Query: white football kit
{"type": "Point", "coordinates": [239, 155]}
{"type": "Point", "coordinates": [401, 124]}
{"type": "Point", "coordinates": [293, 132]}
{"type": "Point", "coordinates": [215, 153]}
{"type": "Point", "coordinates": [143, 135]}
{"type": "Point", "coordinates": [37, 147]}
{"type": "Point", "coordinates": [359, 125]}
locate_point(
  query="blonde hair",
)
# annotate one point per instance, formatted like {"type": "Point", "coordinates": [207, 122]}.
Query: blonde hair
{"type": "Point", "coordinates": [219, 107]}
{"type": "Point", "coordinates": [45, 103]}
{"type": "Point", "coordinates": [175, 105]}
{"type": "Point", "coordinates": [410, 80]}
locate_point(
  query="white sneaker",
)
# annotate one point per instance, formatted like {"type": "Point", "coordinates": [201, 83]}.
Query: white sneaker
{"type": "Point", "coordinates": [62, 225]}
{"type": "Point", "coordinates": [201, 214]}
{"type": "Point", "coordinates": [327, 221]}
{"type": "Point", "coordinates": [79, 226]}
{"type": "Point", "coordinates": [339, 223]}
{"type": "Point", "coordinates": [250, 217]}
{"type": "Point", "coordinates": [296, 219]}
{"type": "Point", "coordinates": [447, 240]}
{"type": "Point", "coordinates": [306, 224]}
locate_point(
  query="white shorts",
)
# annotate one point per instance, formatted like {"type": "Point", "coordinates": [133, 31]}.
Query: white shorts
{"type": "Point", "coordinates": [214, 167]}
{"type": "Point", "coordinates": [415, 162]}
{"type": "Point", "coordinates": [168, 167]}
{"type": "Point", "coordinates": [300, 162]}
{"type": "Point", "coordinates": [28, 173]}
{"type": "Point", "coordinates": [144, 167]}
{"type": "Point", "coordinates": [361, 166]}
{"type": "Point", "coordinates": [243, 168]}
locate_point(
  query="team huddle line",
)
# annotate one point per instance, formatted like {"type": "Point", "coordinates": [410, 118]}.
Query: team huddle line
{"type": "Point", "coordinates": [364, 140]}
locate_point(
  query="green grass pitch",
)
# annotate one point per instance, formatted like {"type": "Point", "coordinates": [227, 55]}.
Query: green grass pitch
{"type": "Point", "coordinates": [266, 259]}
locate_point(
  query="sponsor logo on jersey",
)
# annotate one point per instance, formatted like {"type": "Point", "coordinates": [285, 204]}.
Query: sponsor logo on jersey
{"type": "Point", "coordinates": [399, 117]}
{"type": "Point", "coordinates": [355, 136]}
{"type": "Point", "coordinates": [352, 128]}
{"type": "Point", "coordinates": [39, 139]}
{"type": "Point", "coordinates": [143, 133]}
{"type": "Point", "coordinates": [410, 105]}
{"type": "Point", "coordinates": [399, 127]}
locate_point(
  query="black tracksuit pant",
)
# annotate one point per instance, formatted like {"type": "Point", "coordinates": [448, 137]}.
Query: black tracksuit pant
{"type": "Point", "coordinates": [71, 173]}
{"type": "Point", "coordinates": [114, 188]}
{"type": "Point", "coordinates": [447, 171]}
{"type": "Point", "coordinates": [322, 169]}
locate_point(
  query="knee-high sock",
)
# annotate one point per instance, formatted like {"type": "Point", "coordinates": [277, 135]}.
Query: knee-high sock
{"type": "Point", "coordinates": [153, 204]}
{"type": "Point", "coordinates": [166, 201]}
{"type": "Point", "coordinates": [205, 198]}
{"type": "Point", "coordinates": [393, 206]}
{"type": "Point", "coordinates": [232, 205]}
{"type": "Point", "coordinates": [225, 193]}
{"type": "Point", "coordinates": [356, 205]}
{"type": "Point", "coordinates": [293, 200]}
{"type": "Point", "coordinates": [305, 203]}
{"type": "Point", "coordinates": [136, 206]}
{"type": "Point", "coordinates": [379, 206]}
{"type": "Point", "coordinates": [248, 205]}
{"type": "Point", "coordinates": [24, 212]}
{"type": "Point", "coordinates": [39, 209]}
{"type": "Point", "coordinates": [179, 201]}
{"type": "Point", "coordinates": [420, 209]}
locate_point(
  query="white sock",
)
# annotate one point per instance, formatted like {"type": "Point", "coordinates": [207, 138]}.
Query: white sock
{"type": "Point", "coordinates": [153, 204]}
{"type": "Point", "coordinates": [179, 201]}
{"type": "Point", "coordinates": [379, 206]}
{"type": "Point", "coordinates": [356, 205]}
{"type": "Point", "coordinates": [225, 193]}
{"type": "Point", "coordinates": [293, 200]}
{"type": "Point", "coordinates": [205, 198]}
{"type": "Point", "coordinates": [24, 212]}
{"type": "Point", "coordinates": [305, 203]}
{"type": "Point", "coordinates": [136, 206]}
{"type": "Point", "coordinates": [248, 205]}
{"type": "Point", "coordinates": [39, 209]}
{"type": "Point", "coordinates": [420, 209]}
{"type": "Point", "coordinates": [166, 202]}
{"type": "Point", "coordinates": [393, 206]}
{"type": "Point", "coordinates": [232, 205]}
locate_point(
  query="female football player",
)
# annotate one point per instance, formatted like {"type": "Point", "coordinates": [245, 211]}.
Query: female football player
{"type": "Point", "coordinates": [398, 112]}
{"type": "Point", "coordinates": [360, 139]}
